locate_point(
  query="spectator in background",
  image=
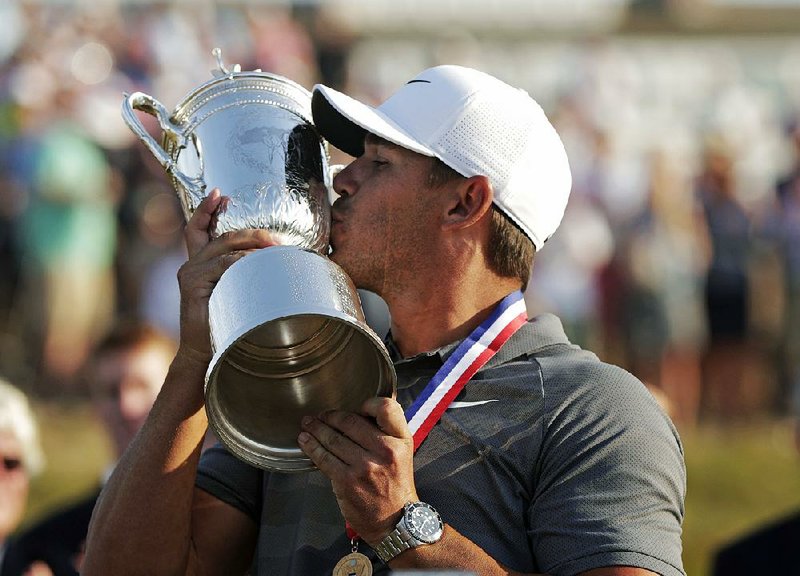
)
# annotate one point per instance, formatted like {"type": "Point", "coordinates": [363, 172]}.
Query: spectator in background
{"type": "Point", "coordinates": [21, 459]}
{"type": "Point", "coordinates": [68, 238]}
{"type": "Point", "coordinates": [663, 266]}
{"type": "Point", "coordinates": [787, 228]}
{"type": "Point", "coordinates": [283, 46]}
{"type": "Point", "coordinates": [125, 375]}
{"type": "Point", "coordinates": [726, 285]}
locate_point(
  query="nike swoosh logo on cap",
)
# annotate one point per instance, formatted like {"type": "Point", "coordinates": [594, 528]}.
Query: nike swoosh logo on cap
{"type": "Point", "coordinates": [469, 404]}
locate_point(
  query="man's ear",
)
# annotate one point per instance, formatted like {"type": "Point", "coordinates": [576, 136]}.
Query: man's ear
{"type": "Point", "coordinates": [468, 200]}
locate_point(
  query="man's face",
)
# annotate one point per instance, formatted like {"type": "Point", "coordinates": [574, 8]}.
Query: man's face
{"type": "Point", "coordinates": [125, 384]}
{"type": "Point", "coordinates": [14, 484]}
{"type": "Point", "coordinates": [385, 219]}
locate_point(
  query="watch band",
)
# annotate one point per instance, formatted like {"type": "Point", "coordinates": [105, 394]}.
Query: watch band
{"type": "Point", "coordinates": [398, 540]}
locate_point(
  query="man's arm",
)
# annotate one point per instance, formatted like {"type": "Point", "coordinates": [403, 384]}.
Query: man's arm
{"type": "Point", "coordinates": [150, 518]}
{"type": "Point", "coordinates": [456, 551]}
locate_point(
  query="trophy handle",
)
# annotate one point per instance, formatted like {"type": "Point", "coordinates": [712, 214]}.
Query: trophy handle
{"type": "Point", "coordinates": [149, 105]}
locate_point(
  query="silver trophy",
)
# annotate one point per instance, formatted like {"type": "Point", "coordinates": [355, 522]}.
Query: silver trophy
{"type": "Point", "coordinates": [287, 328]}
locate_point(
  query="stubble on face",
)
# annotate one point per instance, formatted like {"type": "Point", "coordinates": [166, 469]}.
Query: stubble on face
{"type": "Point", "coordinates": [385, 228]}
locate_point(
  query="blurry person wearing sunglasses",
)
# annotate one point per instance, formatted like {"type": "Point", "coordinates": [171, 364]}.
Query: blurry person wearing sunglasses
{"type": "Point", "coordinates": [124, 376]}
{"type": "Point", "coordinates": [21, 458]}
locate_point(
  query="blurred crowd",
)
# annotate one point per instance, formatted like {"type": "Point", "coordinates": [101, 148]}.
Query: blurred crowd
{"type": "Point", "coordinates": [90, 228]}
{"type": "Point", "coordinates": [679, 256]}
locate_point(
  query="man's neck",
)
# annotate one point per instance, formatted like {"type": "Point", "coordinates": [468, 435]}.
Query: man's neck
{"type": "Point", "coordinates": [428, 320]}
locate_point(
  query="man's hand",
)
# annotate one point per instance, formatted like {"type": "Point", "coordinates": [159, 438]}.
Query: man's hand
{"type": "Point", "coordinates": [208, 259]}
{"type": "Point", "coordinates": [369, 459]}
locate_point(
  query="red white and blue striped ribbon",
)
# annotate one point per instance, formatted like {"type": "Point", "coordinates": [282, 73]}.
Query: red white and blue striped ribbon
{"type": "Point", "coordinates": [475, 351]}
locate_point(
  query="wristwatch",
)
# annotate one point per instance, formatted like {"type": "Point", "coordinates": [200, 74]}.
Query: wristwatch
{"type": "Point", "coordinates": [420, 524]}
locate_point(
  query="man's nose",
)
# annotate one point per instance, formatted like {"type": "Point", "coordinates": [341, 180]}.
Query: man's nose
{"type": "Point", "coordinates": [344, 182]}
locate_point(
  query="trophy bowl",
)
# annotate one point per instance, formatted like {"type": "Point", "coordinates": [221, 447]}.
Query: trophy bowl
{"type": "Point", "coordinates": [288, 333]}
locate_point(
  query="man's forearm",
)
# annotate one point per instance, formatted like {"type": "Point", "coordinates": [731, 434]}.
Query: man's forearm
{"type": "Point", "coordinates": [453, 550]}
{"type": "Point", "coordinates": [456, 551]}
{"type": "Point", "coordinates": [142, 522]}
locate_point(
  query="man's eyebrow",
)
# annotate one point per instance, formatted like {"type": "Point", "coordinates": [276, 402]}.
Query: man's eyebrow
{"type": "Point", "coordinates": [373, 140]}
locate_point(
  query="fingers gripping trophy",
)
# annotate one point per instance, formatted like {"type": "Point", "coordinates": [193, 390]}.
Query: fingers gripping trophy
{"type": "Point", "coordinates": [288, 333]}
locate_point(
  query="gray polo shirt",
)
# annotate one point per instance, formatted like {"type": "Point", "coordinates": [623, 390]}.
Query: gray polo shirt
{"type": "Point", "coordinates": [550, 460]}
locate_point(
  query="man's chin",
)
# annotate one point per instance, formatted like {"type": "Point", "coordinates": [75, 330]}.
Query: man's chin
{"type": "Point", "coordinates": [339, 259]}
{"type": "Point", "coordinates": [332, 246]}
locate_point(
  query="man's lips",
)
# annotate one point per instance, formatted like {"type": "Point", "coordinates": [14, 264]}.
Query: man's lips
{"type": "Point", "coordinates": [336, 217]}
{"type": "Point", "coordinates": [337, 227]}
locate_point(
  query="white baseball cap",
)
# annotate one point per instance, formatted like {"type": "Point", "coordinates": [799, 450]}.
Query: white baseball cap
{"type": "Point", "coordinates": [474, 123]}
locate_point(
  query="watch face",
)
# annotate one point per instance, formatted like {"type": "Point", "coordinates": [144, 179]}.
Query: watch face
{"type": "Point", "coordinates": [424, 522]}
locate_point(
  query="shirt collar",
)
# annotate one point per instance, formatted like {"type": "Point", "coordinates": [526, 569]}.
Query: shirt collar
{"type": "Point", "coordinates": [535, 335]}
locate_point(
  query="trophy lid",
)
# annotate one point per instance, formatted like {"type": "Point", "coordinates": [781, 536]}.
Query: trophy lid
{"type": "Point", "coordinates": [234, 85]}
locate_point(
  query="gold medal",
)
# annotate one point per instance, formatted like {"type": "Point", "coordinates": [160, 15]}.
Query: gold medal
{"type": "Point", "coordinates": [354, 564]}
